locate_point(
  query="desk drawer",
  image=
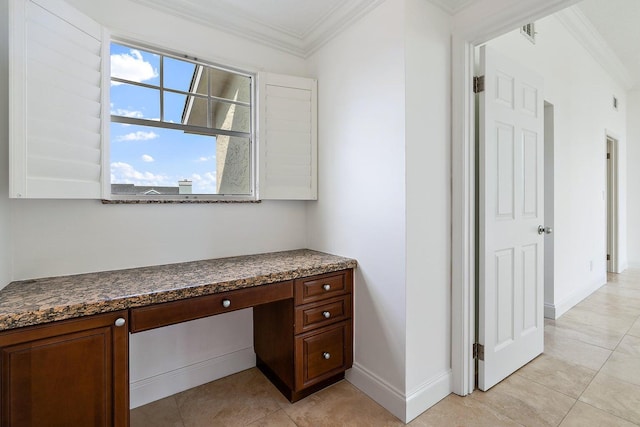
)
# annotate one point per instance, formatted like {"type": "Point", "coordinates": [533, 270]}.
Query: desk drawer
{"type": "Point", "coordinates": [169, 313]}
{"type": "Point", "coordinates": [317, 288]}
{"type": "Point", "coordinates": [326, 312]}
{"type": "Point", "coordinates": [323, 353]}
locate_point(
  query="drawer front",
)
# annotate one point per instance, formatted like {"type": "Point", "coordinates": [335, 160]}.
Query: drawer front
{"type": "Point", "coordinates": [317, 288]}
{"type": "Point", "coordinates": [164, 314]}
{"type": "Point", "coordinates": [316, 315]}
{"type": "Point", "coordinates": [323, 353]}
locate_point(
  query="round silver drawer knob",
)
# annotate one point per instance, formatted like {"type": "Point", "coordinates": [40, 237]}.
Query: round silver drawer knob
{"type": "Point", "coordinates": [326, 286]}
{"type": "Point", "coordinates": [226, 303]}
{"type": "Point", "coordinates": [326, 355]}
{"type": "Point", "coordinates": [119, 322]}
{"type": "Point", "coordinates": [326, 314]}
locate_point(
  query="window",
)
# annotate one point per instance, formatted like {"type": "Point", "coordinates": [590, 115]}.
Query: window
{"type": "Point", "coordinates": [174, 128]}
{"type": "Point", "coordinates": [179, 127]}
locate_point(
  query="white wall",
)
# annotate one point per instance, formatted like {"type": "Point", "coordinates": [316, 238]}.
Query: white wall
{"type": "Point", "coordinates": [360, 210]}
{"type": "Point", "coordinates": [384, 195]}
{"type": "Point", "coordinates": [65, 237]}
{"type": "Point", "coordinates": [5, 228]}
{"type": "Point", "coordinates": [581, 92]}
{"type": "Point", "coordinates": [428, 205]}
{"type": "Point", "coordinates": [633, 178]}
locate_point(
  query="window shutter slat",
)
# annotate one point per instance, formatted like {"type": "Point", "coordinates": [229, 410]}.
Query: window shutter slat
{"type": "Point", "coordinates": [288, 138]}
{"type": "Point", "coordinates": [57, 112]}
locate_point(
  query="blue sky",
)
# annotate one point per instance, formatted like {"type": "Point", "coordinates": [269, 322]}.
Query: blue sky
{"type": "Point", "coordinates": [147, 155]}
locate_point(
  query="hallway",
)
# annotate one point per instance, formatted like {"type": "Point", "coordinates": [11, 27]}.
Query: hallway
{"type": "Point", "coordinates": [589, 375]}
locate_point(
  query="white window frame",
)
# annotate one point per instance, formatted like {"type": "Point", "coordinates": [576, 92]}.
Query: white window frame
{"type": "Point", "coordinates": [212, 132]}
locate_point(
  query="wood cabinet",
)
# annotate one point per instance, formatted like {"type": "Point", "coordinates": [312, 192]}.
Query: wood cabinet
{"type": "Point", "coordinates": [67, 373]}
{"type": "Point", "coordinates": [305, 344]}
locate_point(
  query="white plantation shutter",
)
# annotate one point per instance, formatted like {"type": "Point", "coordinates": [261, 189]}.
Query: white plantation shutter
{"type": "Point", "coordinates": [287, 138]}
{"type": "Point", "coordinates": [56, 102]}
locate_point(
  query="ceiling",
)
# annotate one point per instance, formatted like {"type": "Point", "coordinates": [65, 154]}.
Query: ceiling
{"type": "Point", "coordinates": [616, 21]}
{"type": "Point", "coordinates": [302, 26]}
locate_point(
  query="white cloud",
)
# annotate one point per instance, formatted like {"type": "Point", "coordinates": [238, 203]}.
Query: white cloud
{"type": "Point", "coordinates": [147, 158]}
{"type": "Point", "coordinates": [131, 66]}
{"type": "Point", "coordinates": [138, 136]}
{"type": "Point", "coordinates": [206, 159]}
{"type": "Point", "coordinates": [204, 184]}
{"type": "Point", "coordinates": [127, 113]}
{"type": "Point", "coordinates": [124, 173]}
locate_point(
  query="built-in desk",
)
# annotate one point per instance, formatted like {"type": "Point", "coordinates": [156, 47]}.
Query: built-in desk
{"type": "Point", "coordinates": [64, 340]}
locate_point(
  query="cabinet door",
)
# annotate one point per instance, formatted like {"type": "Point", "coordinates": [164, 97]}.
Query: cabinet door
{"type": "Point", "coordinates": [70, 373]}
{"type": "Point", "coordinates": [323, 353]}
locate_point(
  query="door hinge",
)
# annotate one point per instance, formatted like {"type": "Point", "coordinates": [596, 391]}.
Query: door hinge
{"type": "Point", "coordinates": [478, 84]}
{"type": "Point", "coordinates": [608, 156]}
{"type": "Point", "coordinates": [478, 351]}
{"type": "Point", "coordinates": [608, 257]}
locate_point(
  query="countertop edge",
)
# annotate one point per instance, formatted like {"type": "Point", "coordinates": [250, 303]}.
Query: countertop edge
{"type": "Point", "coordinates": [20, 319]}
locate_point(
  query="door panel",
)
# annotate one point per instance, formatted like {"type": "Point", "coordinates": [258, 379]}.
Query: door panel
{"type": "Point", "coordinates": [511, 186]}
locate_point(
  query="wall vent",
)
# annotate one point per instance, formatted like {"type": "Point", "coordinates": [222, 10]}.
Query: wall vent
{"type": "Point", "coordinates": [529, 32]}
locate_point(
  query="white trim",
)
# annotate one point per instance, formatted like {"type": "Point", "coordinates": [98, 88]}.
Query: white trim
{"type": "Point", "coordinates": [472, 26]}
{"type": "Point", "coordinates": [235, 21]}
{"type": "Point", "coordinates": [549, 311]}
{"type": "Point", "coordinates": [581, 28]}
{"type": "Point", "coordinates": [168, 383]}
{"type": "Point", "coordinates": [427, 395]}
{"type": "Point", "coordinates": [574, 298]}
{"type": "Point", "coordinates": [450, 8]}
{"type": "Point", "coordinates": [105, 115]}
{"type": "Point", "coordinates": [392, 399]}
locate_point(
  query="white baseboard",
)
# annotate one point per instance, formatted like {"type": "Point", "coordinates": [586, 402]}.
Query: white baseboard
{"type": "Point", "coordinates": [166, 384]}
{"type": "Point", "coordinates": [428, 394]}
{"type": "Point", "coordinates": [549, 311]}
{"type": "Point", "coordinates": [386, 395]}
{"type": "Point", "coordinates": [394, 401]}
{"type": "Point", "coordinates": [574, 298]}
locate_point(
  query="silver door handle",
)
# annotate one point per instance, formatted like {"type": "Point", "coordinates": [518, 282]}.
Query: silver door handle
{"type": "Point", "coordinates": [543, 230]}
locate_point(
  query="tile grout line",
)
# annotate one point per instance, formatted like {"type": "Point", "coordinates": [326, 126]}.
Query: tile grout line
{"type": "Point", "coordinates": [598, 372]}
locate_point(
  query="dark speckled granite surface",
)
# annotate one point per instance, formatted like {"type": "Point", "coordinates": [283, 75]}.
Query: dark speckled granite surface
{"type": "Point", "coordinates": [33, 302]}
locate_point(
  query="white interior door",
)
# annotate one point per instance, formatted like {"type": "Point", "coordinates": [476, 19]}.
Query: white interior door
{"type": "Point", "coordinates": [511, 187]}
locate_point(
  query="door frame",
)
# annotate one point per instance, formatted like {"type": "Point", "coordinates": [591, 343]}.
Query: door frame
{"type": "Point", "coordinates": [476, 24]}
{"type": "Point", "coordinates": [612, 202]}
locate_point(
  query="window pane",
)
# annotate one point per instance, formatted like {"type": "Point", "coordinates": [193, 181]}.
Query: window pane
{"type": "Point", "coordinates": [135, 65]}
{"type": "Point", "coordinates": [135, 101]}
{"type": "Point", "coordinates": [174, 107]}
{"type": "Point", "coordinates": [228, 116]}
{"type": "Point", "coordinates": [195, 111]}
{"type": "Point", "coordinates": [230, 86]}
{"type": "Point", "coordinates": [233, 160]}
{"type": "Point", "coordinates": [184, 76]}
{"type": "Point", "coordinates": [153, 161]}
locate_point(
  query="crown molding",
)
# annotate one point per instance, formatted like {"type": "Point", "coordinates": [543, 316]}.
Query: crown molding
{"type": "Point", "coordinates": [576, 22]}
{"type": "Point", "coordinates": [450, 8]}
{"type": "Point", "coordinates": [235, 22]}
{"type": "Point", "coordinates": [327, 29]}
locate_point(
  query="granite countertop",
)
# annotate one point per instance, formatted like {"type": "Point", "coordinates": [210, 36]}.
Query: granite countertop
{"type": "Point", "coordinates": [32, 302]}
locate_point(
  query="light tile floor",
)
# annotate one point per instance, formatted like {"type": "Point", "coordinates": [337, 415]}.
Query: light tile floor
{"type": "Point", "coordinates": [589, 375]}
